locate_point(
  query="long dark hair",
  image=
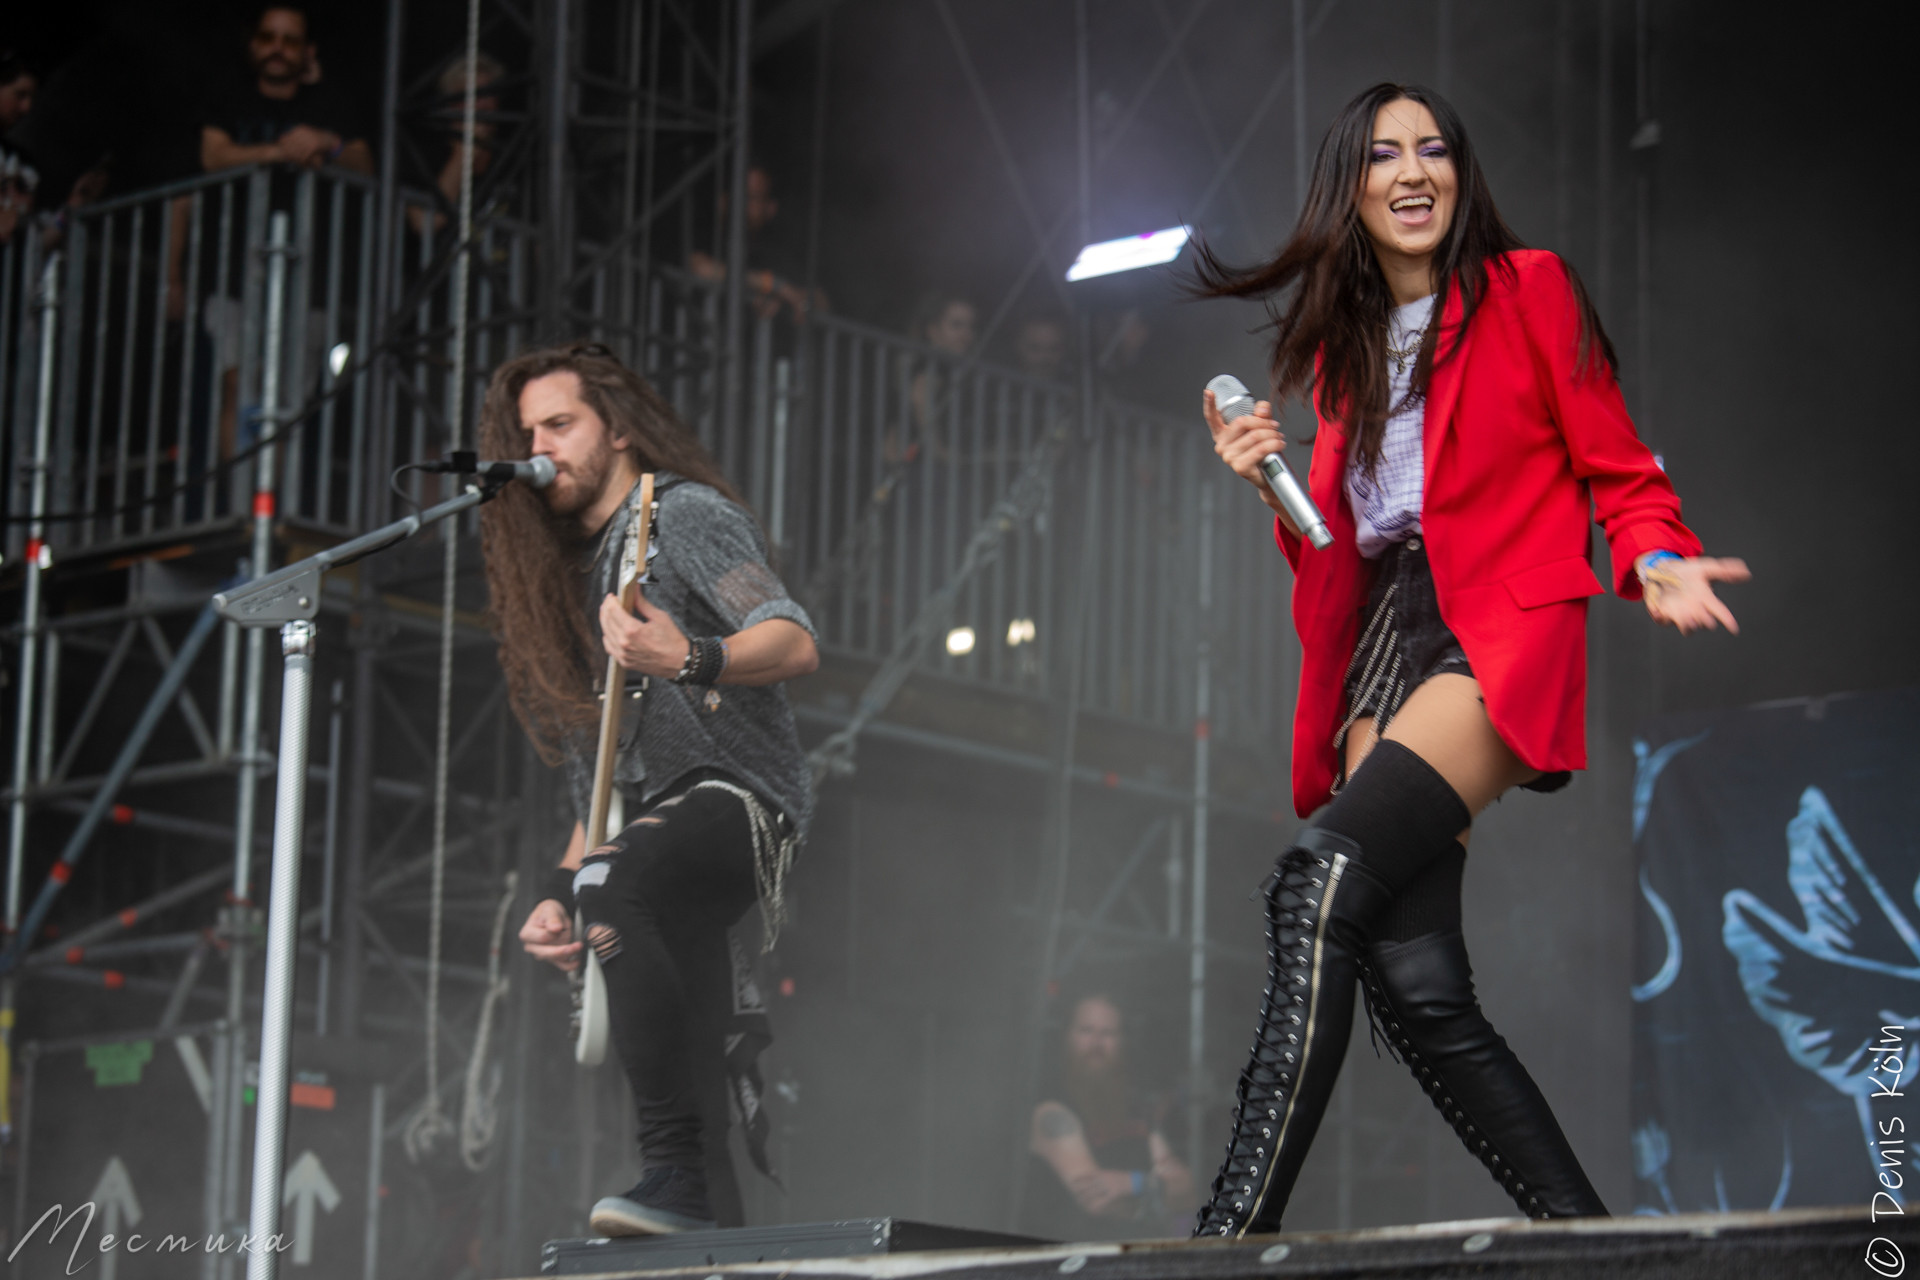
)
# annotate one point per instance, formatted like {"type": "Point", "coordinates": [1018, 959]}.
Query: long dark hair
{"type": "Point", "coordinates": [533, 569]}
{"type": "Point", "coordinates": [1338, 315]}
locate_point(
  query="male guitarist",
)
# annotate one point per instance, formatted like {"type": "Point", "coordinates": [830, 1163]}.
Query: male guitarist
{"type": "Point", "coordinates": [713, 787]}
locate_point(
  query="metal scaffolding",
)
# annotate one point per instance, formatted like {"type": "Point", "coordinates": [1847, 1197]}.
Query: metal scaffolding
{"type": "Point", "coordinates": [333, 326]}
{"type": "Point", "coordinates": [342, 322]}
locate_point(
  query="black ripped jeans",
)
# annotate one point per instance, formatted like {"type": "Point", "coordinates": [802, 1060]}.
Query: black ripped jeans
{"type": "Point", "coordinates": [677, 877]}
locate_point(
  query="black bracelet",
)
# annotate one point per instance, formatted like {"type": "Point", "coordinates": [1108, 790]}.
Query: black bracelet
{"type": "Point", "coordinates": [559, 887]}
{"type": "Point", "coordinates": [706, 659]}
{"type": "Point", "coordinates": [713, 659]}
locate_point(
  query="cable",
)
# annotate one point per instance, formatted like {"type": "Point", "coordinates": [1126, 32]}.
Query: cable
{"type": "Point", "coordinates": [287, 427]}
{"type": "Point", "coordinates": [393, 481]}
{"type": "Point", "coordinates": [432, 1124]}
{"type": "Point", "coordinates": [480, 1102]}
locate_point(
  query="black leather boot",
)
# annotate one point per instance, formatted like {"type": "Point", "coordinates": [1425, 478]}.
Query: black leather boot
{"type": "Point", "coordinates": [1319, 898]}
{"type": "Point", "coordinates": [1421, 991]}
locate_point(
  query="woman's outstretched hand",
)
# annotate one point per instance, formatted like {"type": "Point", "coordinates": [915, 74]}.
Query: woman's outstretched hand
{"type": "Point", "coordinates": [1679, 593]}
{"type": "Point", "coordinates": [1243, 442]}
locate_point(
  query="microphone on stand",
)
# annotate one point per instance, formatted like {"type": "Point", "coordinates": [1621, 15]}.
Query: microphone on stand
{"type": "Point", "coordinates": [537, 472]}
{"type": "Point", "coordinates": [1231, 397]}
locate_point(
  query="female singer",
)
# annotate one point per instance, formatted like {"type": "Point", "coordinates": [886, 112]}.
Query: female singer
{"type": "Point", "coordinates": [1469, 420]}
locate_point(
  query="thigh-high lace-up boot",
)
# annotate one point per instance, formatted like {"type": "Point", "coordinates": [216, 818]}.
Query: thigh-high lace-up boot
{"type": "Point", "coordinates": [1421, 992]}
{"type": "Point", "coordinates": [1318, 899]}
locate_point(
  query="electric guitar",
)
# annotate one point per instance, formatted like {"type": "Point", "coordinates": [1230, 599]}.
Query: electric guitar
{"type": "Point", "coordinates": [589, 984]}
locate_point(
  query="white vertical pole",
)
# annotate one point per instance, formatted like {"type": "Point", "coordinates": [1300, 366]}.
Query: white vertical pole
{"type": "Point", "coordinates": [777, 498]}
{"type": "Point", "coordinates": [283, 938]}
{"type": "Point", "coordinates": [323, 995]}
{"type": "Point", "coordinates": [1299, 106]}
{"type": "Point", "coordinates": [37, 561]}
{"type": "Point", "coordinates": [278, 247]}
{"type": "Point", "coordinates": [370, 1262]}
{"type": "Point", "coordinates": [1198, 1086]}
{"type": "Point", "coordinates": [432, 1124]}
{"type": "Point", "coordinates": [1176, 877]}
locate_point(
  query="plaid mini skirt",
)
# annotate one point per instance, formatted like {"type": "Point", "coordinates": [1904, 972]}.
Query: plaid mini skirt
{"type": "Point", "coordinates": [1403, 643]}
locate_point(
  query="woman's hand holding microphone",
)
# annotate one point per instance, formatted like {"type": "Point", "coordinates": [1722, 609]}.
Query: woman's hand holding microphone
{"type": "Point", "coordinates": [1246, 440]}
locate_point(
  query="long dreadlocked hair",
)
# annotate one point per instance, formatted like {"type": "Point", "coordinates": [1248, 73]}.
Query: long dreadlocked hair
{"type": "Point", "coordinates": [1327, 338]}
{"type": "Point", "coordinates": [533, 556]}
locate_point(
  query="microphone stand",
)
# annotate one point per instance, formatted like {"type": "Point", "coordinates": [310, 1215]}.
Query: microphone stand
{"type": "Point", "coordinates": [290, 598]}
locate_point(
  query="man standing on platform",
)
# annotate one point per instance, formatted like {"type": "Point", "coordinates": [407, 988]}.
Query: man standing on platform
{"type": "Point", "coordinates": [716, 792]}
{"type": "Point", "coordinates": [283, 113]}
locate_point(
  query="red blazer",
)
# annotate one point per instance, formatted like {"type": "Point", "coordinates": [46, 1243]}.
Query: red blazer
{"type": "Point", "coordinates": [1518, 452]}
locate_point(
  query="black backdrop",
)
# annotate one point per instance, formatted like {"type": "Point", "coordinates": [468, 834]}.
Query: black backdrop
{"type": "Point", "coordinates": [1778, 975]}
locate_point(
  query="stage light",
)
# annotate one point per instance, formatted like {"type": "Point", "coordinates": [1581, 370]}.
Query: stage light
{"type": "Point", "coordinates": [1150, 249]}
{"type": "Point", "coordinates": [960, 641]}
{"type": "Point", "coordinates": [338, 357]}
{"type": "Point", "coordinates": [1020, 631]}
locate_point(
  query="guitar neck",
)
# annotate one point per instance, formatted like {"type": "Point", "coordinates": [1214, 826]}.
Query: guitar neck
{"type": "Point", "coordinates": [615, 687]}
{"type": "Point", "coordinates": [613, 705]}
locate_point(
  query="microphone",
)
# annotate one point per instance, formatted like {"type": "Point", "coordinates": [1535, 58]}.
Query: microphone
{"type": "Point", "coordinates": [537, 472]}
{"type": "Point", "coordinates": [1232, 399]}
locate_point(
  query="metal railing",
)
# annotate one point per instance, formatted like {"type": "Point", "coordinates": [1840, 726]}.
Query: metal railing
{"type": "Point", "coordinates": [870, 459]}
{"type": "Point", "coordinates": [157, 389]}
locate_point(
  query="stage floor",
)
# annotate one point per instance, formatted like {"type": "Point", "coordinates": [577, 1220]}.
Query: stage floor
{"type": "Point", "coordinates": [1796, 1244]}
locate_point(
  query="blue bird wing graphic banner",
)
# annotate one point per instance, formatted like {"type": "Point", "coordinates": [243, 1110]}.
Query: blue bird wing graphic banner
{"type": "Point", "coordinates": [1776, 981]}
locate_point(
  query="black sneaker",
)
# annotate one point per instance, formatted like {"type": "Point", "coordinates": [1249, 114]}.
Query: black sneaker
{"type": "Point", "coordinates": [666, 1200]}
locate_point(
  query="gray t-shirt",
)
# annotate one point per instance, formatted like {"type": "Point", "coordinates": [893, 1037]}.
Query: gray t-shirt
{"type": "Point", "coordinates": [709, 573]}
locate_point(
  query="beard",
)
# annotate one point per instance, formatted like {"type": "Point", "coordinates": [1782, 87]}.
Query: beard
{"type": "Point", "coordinates": [575, 488]}
{"type": "Point", "coordinates": [1102, 1097]}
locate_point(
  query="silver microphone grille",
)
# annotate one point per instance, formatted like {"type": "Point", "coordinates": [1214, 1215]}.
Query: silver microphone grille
{"type": "Point", "coordinates": [542, 473]}
{"type": "Point", "coordinates": [1231, 397]}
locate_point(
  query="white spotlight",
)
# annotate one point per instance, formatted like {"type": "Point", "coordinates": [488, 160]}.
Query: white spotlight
{"type": "Point", "coordinates": [1020, 631]}
{"type": "Point", "coordinates": [338, 357]}
{"type": "Point", "coordinates": [1150, 249]}
{"type": "Point", "coordinates": [960, 641]}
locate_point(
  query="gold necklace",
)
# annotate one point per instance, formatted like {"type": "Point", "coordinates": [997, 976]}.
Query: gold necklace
{"type": "Point", "coordinates": [1403, 354]}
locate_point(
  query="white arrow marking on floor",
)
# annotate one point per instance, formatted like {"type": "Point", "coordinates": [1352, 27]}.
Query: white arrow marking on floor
{"type": "Point", "coordinates": [113, 1194]}
{"type": "Point", "coordinates": [307, 1181]}
{"type": "Point", "coordinates": [189, 1050]}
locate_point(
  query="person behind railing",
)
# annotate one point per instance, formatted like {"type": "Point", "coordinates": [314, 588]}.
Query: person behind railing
{"type": "Point", "coordinates": [1123, 353]}
{"type": "Point", "coordinates": [946, 322]}
{"type": "Point", "coordinates": [18, 84]}
{"type": "Point", "coordinates": [26, 185]}
{"type": "Point", "coordinates": [1040, 345]}
{"type": "Point", "coordinates": [448, 119]}
{"type": "Point", "coordinates": [19, 176]}
{"type": "Point", "coordinates": [284, 112]}
{"type": "Point", "coordinates": [773, 279]}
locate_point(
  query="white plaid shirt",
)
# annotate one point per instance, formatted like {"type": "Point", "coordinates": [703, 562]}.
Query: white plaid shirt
{"type": "Point", "coordinates": [1386, 503]}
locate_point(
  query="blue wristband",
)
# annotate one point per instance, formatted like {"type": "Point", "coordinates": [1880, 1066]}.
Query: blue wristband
{"type": "Point", "coordinates": [1646, 565]}
{"type": "Point", "coordinates": [1139, 1181]}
